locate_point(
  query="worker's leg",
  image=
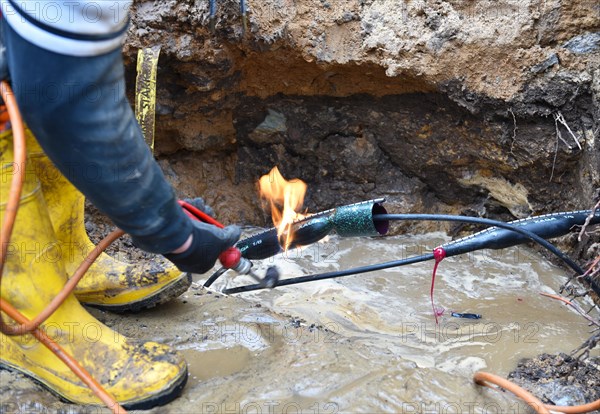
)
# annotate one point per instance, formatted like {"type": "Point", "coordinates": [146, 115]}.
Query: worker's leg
{"type": "Point", "coordinates": [77, 109]}
{"type": "Point", "coordinates": [109, 284]}
{"type": "Point", "coordinates": [139, 375]}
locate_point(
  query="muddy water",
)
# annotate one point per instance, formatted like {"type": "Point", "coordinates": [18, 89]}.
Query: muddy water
{"type": "Point", "coordinates": [365, 343]}
{"type": "Point", "coordinates": [370, 343]}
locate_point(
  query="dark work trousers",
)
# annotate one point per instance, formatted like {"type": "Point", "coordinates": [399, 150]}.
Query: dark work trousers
{"type": "Point", "coordinates": [77, 109]}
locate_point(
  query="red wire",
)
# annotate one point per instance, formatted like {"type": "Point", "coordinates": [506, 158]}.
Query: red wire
{"type": "Point", "coordinates": [439, 254]}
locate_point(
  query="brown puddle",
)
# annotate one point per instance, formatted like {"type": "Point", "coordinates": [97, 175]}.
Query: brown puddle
{"type": "Point", "coordinates": [364, 343]}
{"type": "Point", "coordinates": [203, 365]}
{"type": "Point", "coordinates": [386, 317]}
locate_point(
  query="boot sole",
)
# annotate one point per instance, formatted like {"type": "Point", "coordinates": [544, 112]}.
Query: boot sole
{"type": "Point", "coordinates": [170, 291]}
{"type": "Point", "coordinates": [165, 397]}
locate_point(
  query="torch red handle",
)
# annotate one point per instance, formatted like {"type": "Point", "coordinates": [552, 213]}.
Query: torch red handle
{"type": "Point", "coordinates": [230, 258]}
{"type": "Point", "coordinates": [198, 214]}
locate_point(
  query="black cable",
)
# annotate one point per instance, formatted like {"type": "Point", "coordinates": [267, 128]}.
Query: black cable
{"type": "Point", "coordinates": [487, 222]}
{"type": "Point", "coordinates": [339, 273]}
{"type": "Point", "coordinates": [215, 276]}
{"type": "Point", "coordinates": [426, 217]}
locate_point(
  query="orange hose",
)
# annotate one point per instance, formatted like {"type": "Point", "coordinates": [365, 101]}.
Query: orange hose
{"type": "Point", "coordinates": [30, 325]}
{"type": "Point", "coordinates": [7, 226]}
{"type": "Point", "coordinates": [483, 378]}
{"type": "Point", "coordinates": [68, 360]}
{"type": "Point", "coordinates": [17, 180]}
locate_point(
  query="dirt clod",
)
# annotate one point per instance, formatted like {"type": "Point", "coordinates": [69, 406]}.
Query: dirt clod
{"type": "Point", "coordinates": [99, 226]}
{"type": "Point", "coordinates": [560, 379]}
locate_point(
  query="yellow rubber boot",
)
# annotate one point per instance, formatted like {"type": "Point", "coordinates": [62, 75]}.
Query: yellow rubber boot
{"type": "Point", "coordinates": [138, 375]}
{"type": "Point", "coordinates": [109, 284]}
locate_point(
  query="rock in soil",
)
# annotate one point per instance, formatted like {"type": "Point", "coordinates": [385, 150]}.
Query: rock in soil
{"type": "Point", "coordinates": [560, 379]}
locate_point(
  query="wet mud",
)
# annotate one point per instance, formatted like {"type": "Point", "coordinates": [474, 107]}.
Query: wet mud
{"type": "Point", "coordinates": [560, 379]}
{"type": "Point", "coordinates": [486, 109]}
{"type": "Point", "coordinates": [366, 343]}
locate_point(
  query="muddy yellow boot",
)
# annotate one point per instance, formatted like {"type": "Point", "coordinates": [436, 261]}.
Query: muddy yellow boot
{"type": "Point", "coordinates": [138, 375]}
{"type": "Point", "coordinates": [109, 284]}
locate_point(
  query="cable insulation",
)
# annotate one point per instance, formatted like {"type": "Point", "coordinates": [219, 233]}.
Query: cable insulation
{"type": "Point", "coordinates": [395, 263]}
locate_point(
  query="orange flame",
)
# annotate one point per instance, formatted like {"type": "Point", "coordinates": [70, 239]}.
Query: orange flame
{"type": "Point", "coordinates": [286, 199]}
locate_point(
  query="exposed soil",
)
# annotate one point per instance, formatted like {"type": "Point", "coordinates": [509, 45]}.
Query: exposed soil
{"type": "Point", "coordinates": [560, 379]}
{"type": "Point", "coordinates": [444, 106]}
{"type": "Point", "coordinates": [99, 226]}
{"type": "Point", "coordinates": [327, 346]}
{"type": "Point", "coordinates": [490, 108]}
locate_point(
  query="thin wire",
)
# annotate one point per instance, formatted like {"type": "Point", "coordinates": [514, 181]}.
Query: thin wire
{"type": "Point", "coordinates": [339, 273]}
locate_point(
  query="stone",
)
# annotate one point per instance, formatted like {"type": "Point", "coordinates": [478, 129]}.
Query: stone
{"type": "Point", "coordinates": [585, 43]}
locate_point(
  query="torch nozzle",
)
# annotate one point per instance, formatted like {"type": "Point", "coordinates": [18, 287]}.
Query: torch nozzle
{"type": "Point", "coordinates": [232, 259]}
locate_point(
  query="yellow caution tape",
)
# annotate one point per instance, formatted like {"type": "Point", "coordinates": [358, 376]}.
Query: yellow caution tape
{"type": "Point", "coordinates": [145, 92]}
